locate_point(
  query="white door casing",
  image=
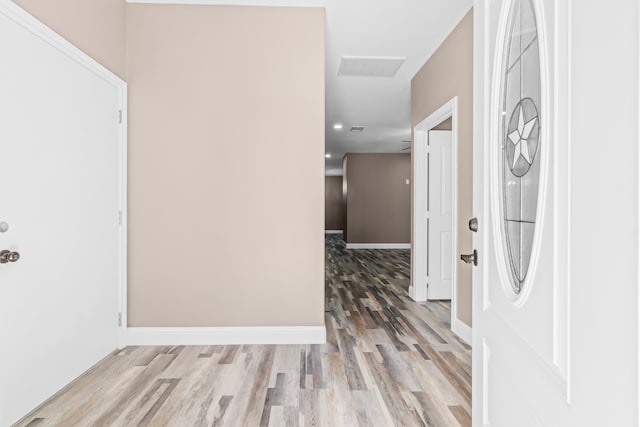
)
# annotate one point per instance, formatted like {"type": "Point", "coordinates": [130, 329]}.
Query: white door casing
{"type": "Point", "coordinates": [63, 168]}
{"type": "Point", "coordinates": [537, 357]}
{"type": "Point", "coordinates": [440, 254]}
{"type": "Point", "coordinates": [419, 236]}
{"type": "Point", "coordinates": [420, 211]}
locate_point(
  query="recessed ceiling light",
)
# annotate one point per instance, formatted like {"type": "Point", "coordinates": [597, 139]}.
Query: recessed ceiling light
{"type": "Point", "coordinates": [327, 156]}
{"type": "Point", "coordinates": [357, 128]}
{"type": "Point", "coordinates": [337, 126]}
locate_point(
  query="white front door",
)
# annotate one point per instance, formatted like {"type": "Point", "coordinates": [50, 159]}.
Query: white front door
{"type": "Point", "coordinates": [60, 195]}
{"type": "Point", "coordinates": [520, 300]}
{"type": "Point", "coordinates": [440, 206]}
{"type": "Point", "coordinates": [539, 320]}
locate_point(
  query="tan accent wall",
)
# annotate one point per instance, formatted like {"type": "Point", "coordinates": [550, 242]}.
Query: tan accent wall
{"type": "Point", "coordinates": [445, 125]}
{"type": "Point", "coordinates": [226, 176]}
{"type": "Point", "coordinates": [449, 73]}
{"type": "Point", "coordinates": [97, 27]}
{"type": "Point", "coordinates": [333, 204]}
{"type": "Point", "coordinates": [378, 198]}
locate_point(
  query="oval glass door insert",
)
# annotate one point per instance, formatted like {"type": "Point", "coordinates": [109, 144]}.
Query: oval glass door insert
{"type": "Point", "coordinates": [520, 138]}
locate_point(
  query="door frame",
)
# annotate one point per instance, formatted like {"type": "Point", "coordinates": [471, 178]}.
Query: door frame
{"type": "Point", "coordinates": [123, 215]}
{"type": "Point", "coordinates": [23, 18]}
{"type": "Point", "coordinates": [419, 239]}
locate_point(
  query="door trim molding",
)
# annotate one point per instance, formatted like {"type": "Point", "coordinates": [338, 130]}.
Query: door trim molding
{"type": "Point", "coordinates": [227, 335]}
{"type": "Point", "coordinates": [124, 215]}
{"type": "Point", "coordinates": [43, 32]}
{"type": "Point", "coordinates": [20, 16]}
{"type": "Point", "coordinates": [420, 243]}
{"type": "Point", "coordinates": [419, 260]}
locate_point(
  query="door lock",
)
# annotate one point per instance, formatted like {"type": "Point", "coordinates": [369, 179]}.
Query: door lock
{"type": "Point", "coordinates": [473, 225]}
{"type": "Point", "coordinates": [471, 258]}
{"type": "Point", "coordinates": [8, 256]}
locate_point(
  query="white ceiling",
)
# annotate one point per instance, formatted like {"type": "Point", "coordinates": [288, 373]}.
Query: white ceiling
{"type": "Point", "coordinates": [411, 29]}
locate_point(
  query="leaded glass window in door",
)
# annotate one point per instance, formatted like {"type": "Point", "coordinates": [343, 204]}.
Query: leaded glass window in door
{"type": "Point", "coordinates": [520, 138]}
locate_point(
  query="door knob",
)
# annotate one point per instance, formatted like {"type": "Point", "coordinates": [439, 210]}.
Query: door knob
{"type": "Point", "coordinates": [8, 256]}
{"type": "Point", "coordinates": [471, 258]}
{"type": "Point", "coordinates": [473, 225]}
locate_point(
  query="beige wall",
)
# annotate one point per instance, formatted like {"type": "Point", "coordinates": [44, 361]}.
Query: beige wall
{"type": "Point", "coordinates": [445, 125]}
{"type": "Point", "coordinates": [378, 198]}
{"type": "Point", "coordinates": [449, 73]}
{"type": "Point", "coordinates": [97, 27]}
{"type": "Point", "coordinates": [333, 204]}
{"type": "Point", "coordinates": [223, 229]}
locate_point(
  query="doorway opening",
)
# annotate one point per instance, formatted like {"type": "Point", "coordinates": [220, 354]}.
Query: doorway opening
{"type": "Point", "coordinates": [434, 233]}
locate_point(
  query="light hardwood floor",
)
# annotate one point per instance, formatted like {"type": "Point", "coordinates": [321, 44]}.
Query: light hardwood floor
{"type": "Point", "coordinates": [388, 361]}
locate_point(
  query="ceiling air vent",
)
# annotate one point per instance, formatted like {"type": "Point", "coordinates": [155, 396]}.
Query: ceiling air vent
{"type": "Point", "coordinates": [369, 66]}
{"type": "Point", "coordinates": [357, 128]}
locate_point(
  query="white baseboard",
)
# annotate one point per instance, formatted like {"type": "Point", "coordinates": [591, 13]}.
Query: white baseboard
{"type": "Point", "coordinates": [227, 335]}
{"type": "Point", "coordinates": [462, 330]}
{"type": "Point", "coordinates": [378, 245]}
{"type": "Point", "coordinates": [332, 231]}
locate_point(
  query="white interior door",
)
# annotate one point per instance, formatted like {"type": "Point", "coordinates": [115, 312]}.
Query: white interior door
{"type": "Point", "coordinates": [543, 263]}
{"type": "Point", "coordinates": [440, 206]}
{"type": "Point", "coordinates": [60, 196]}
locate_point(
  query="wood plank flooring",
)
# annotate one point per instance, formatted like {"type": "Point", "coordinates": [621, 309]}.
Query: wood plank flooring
{"type": "Point", "coordinates": [388, 361]}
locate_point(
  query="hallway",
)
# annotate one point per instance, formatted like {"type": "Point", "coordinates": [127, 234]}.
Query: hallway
{"type": "Point", "coordinates": [387, 361]}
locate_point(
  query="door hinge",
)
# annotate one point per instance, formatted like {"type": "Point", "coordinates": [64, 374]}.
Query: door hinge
{"type": "Point", "coordinates": [120, 319]}
{"type": "Point", "coordinates": [119, 217]}
{"type": "Point", "coordinates": [120, 116]}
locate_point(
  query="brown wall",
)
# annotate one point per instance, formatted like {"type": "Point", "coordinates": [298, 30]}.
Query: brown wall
{"type": "Point", "coordinates": [333, 204]}
{"type": "Point", "coordinates": [449, 73]}
{"type": "Point", "coordinates": [345, 212]}
{"type": "Point", "coordinates": [223, 232]}
{"type": "Point", "coordinates": [378, 198]}
{"type": "Point", "coordinates": [97, 27]}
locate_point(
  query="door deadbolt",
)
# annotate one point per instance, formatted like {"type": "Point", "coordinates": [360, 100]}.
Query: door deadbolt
{"type": "Point", "coordinates": [473, 225]}
{"type": "Point", "coordinates": [471, 258]}
{"type": "Point", "coordinates": [8, 256]}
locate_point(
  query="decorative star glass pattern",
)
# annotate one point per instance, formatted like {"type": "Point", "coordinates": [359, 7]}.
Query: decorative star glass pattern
{"type": "Point", "coordinates": [520, 136]}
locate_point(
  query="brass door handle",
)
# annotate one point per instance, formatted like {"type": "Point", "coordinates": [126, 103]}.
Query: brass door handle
{"type": "Point", "coordinates": [471, 258]}
{"type": "Point", "coordinates": [8, 256]}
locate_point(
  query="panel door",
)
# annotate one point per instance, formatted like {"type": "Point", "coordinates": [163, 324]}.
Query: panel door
{"type": "Point", "coordinates": [440, 205]}
{"type": "Point", "coordinates": [520, 325]}
{"type": "Point", "coordinates": [59, 151]}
